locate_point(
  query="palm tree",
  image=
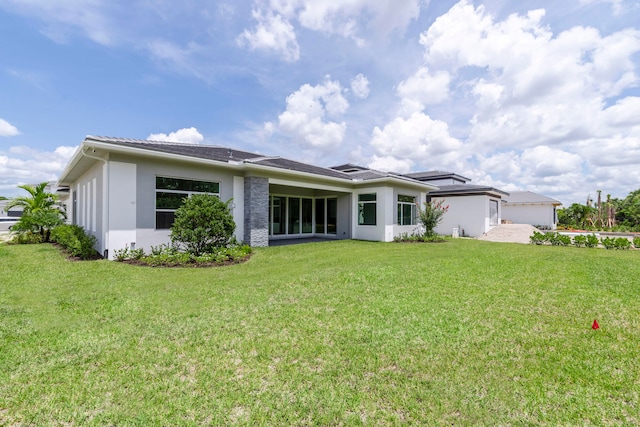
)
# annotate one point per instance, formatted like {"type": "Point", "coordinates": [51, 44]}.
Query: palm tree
{"type": "Point", "coordinates": [41, 211]}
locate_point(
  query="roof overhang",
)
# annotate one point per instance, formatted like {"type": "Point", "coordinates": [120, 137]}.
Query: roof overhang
{"type": "Point", "coordinates": [93, 150]}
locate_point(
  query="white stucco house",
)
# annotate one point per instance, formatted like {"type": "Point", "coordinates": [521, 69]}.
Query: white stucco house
{"type": "Point", "coordinates": [526, 207]}
{"type": "Point", "coordinates": [125, 192]}
{"type": "Point", "coordinates": [473, 209]}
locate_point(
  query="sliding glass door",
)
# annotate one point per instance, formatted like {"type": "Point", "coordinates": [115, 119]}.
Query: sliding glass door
{"type": "Point", "coordinates": [294, 216]}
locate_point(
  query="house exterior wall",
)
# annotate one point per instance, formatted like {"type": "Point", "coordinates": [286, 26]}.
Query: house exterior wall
{"type": "Point", "coordinates": [145, 179]}
{"type": "Point", "coordinates": [122, 207]}
{"type": "Point", "coordinates": [534, 214]}
{"type": "Point", "coordinates": [470, 214]}
{"type": "Point", "coordinates": [87, 210]}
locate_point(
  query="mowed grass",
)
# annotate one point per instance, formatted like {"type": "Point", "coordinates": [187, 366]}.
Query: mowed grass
{"type": "Point", "coordinates": [335, 333]}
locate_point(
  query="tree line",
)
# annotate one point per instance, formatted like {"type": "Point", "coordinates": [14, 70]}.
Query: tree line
{"type": "Point", "coordinates": [610, 214]}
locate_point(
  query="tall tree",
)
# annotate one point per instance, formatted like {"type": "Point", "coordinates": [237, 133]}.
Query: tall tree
{"type": "Point", "coordinates": [41, 210]}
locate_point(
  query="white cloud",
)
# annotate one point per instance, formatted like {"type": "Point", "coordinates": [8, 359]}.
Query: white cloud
{"type": "Point", "coordinates": [273, 32]}
{"type": "Point", "coordinates": [305, 119]}
{"type": "Point", "coordinates": [360, 86]}
{"type": "Point", "coordinates": [24, 165]}
{"type": "Point", "coordinates": [7, 129]}
{"type": "Point", "coordinates": [418, 140]}
{"type": "Point", "coordinates": [341, 17]}
{"type": "Point", "coordinates": [424, 88]}
{"type": "Point", "coordinates": [391, 164]}
{"type": "Point", "coordinates": [185, 135]}
{"type": "Point", "coordinates": [531, 87]}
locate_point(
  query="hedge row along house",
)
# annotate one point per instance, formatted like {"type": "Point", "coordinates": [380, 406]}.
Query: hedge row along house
{"type": "Point", "coordinates": [126, 191]}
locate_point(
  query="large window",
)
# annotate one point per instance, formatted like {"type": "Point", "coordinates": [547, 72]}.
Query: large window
{"type": "Point", "coordinates": [407, 210]}
{"type": "Point", "coordinates": [170, 193]}
{"type": "Point", "coordinates": [367, 209]}
{"type": "Point", "coordinates": [291, 215]}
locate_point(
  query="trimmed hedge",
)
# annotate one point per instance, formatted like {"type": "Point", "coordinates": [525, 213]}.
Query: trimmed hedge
{"type": "Point", "coordinates": [74, 239]}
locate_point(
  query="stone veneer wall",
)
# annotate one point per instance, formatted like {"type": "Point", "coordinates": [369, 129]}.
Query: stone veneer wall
{"type": "Point", "coordinates": [256, 211]}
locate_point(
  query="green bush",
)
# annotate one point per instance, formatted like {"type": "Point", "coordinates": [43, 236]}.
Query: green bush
{"type": "Point", "coordinates": [580, 241]}
{"type": "Point", "coordinates": [27, 238]}
{"type": "Point", "coordinates": [592, 241]}
{"type": "Point", "coordinates": [557, 239]}
{"type": "Point", "coordinates": [169, 256]}
{"type": "Point", "coordinates": [74, 239]}
{"type": "Point", "coordinates": [636, 242]}
{"type": "Point", "coordinates": [622, 243]}
{"type": "Point", "coordinates": [537, 238]}
{"type": "Point", "coordinates": [202, 224]}
{"type": "Point", "coordinates": [608, 242]}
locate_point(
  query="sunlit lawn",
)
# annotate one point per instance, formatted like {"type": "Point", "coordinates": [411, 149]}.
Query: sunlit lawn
{"type": "Point", "coordinates": [352, 333]}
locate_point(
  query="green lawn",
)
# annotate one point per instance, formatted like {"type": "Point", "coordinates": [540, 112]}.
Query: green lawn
{"type": "Point", "coordinates": [335, 333]}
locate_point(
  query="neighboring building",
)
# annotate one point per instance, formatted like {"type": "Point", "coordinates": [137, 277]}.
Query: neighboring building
{"type": "Point", "coordinates": [473, 209]}
{"type": "Point", "coordinates": [525, 207]}
{"type": "Point", "coordinates": [125, 192]}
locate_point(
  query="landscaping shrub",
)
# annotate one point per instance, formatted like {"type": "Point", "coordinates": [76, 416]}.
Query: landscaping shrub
{"type": "Point", "coordinates": [557, 239]}
{"type": "Point", "coordinates": [74, 239]}
{"type": "Point", "coordinates": [580, 241]}
{"type": "Point", "coordinates": [636, 242]}
{"type": "Point", "coordinates": [622, 243]}
{"type": "Point", "coordinates": [26, 238]}
{"type": "Point", "coordinates": [419, 237]}
{"type": "Point", "coordinates": [592, 241]}
{"type": "Point", "coordinates": [538, 238]}
{"type": "Point", "coordinates": [202, 224]}
{"type": "Point", "coordinates": [608, 242]}
{"type": "Point", "coordinates": [169, 256]}
{"type": "Point", "coordinates": [431, 215]}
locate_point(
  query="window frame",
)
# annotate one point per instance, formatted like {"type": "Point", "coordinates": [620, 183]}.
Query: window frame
{"type": "Point", "coordinates": [413, 210]}
{"type": "Point", "coordinates": [365, 209]}
{"type": "Point", "coordinates": [184, 193]}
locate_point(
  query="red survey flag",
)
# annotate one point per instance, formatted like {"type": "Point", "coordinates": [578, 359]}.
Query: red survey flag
{"type": "Point", "coordinates": [595, 325]}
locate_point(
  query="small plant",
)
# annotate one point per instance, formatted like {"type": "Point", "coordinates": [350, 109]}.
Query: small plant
{"type": "Point", "coordinates": [431, 215]}
{"type": "Point", "coordinates": [622, 243]}
{"type": "Point", "coordinates": [538, 238]}
{"type": "Point", "coordinates": [121, 254]}
{"type": "Point", "coordinates": [608, 242]}
{"type": "Point", "coordinates": [27, 238]}
{"type": "Point", "coordinates": [636, 242]}
{"type": "Point", "coordinates": [592, 241]}
{"type": "Point", "coordinates": [557, 239]}
{"type": "Point", "coordinates": [580, 241]}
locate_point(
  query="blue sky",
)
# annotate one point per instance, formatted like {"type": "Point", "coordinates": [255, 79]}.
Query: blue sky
{"type": "Point", "coordinates": [520, 95]}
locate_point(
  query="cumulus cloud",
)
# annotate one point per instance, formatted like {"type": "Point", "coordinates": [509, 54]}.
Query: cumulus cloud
{"type": "Point", "coordinates": [272, 32]}
{"type": "Point", "coordinates": [185, 135]}
{"type": "Point", "coordinates": [24, 165]}
{"type": "Point", "coordinates": [532, 109]}
{"type": "Point", "coordinates": [7, 129]}
{"type": "Point", "coordinates": [424, 88]}
{"type": "Point", "coordinates": [307, 117]}
{"type": "Point", "coordinates": [417, 139]}
{"type": "Point", "coordinates": [360, 86]}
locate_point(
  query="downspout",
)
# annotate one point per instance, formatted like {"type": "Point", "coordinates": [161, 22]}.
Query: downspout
{"type": "Point", "coordinates": [105, 198]}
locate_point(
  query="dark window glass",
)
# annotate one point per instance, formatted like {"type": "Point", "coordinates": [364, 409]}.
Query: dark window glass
{"type": "Point", "coordinates": [169, 200]}
{"type": "Point", "coordinates": [332, 215]}
{"type": "Point", "coordinates": [320, 216]}
{"type": "Point", "coordinates": [164, 220]}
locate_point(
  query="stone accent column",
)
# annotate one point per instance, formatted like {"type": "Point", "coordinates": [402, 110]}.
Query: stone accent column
{"type": "Point", "coordinates": [256, 211]}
